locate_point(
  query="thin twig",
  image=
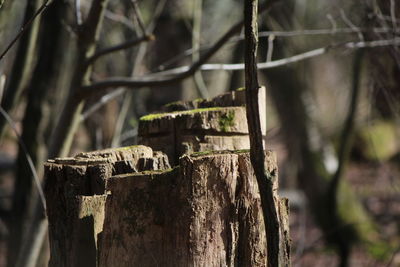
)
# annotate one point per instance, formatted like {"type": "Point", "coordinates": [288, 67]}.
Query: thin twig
{"type": "Point", "coordinates": [323, 32]}
{"type": "Point", "coordinates": [28, 157]}
{"type": "Point", "coordinates": [351, 25]}
{"type": "Point", "coordinates": [332, 21]}
{"type": "Point", "coordinates": [25, 27]}
{"type": "Point", "coordinates": [138, 17]}
{"type": "Point", "coordinates": [270, 50]}
{"type": "Point", "coordinates": [103, 100]}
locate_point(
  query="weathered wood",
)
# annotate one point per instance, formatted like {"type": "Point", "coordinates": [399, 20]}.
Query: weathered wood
{"type": "Point", "coordinates": [235, 98]}
{"type": "Point", "coordinates": [127, 207]}
{"type": "Point", "coordinates": [75, 195]}
{"type": "Point", "coordinates": [200, 126]}
{"type": "Point", "coordinates": [206, 212]}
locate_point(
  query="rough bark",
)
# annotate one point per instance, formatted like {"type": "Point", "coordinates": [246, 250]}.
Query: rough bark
{"type": "Point", "coordinates": [75, 195]}
{"type": "Point", "coordinates": [205, 212]}
{"type": "Point", "coordinates": [126, 207]}
{"type": "Point", "coordinates": [189, 216]}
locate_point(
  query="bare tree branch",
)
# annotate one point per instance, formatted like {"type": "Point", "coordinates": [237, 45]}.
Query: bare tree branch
{"type": "Point", "coordinates": [24, 28]}
{"type": "Point", "coordinates": [119, 47]}
{"type": "Point", "coordinates": [98, 87]}
{"type": "Point", "coordinates": [275, 63]}
{"type": "Point", "coordinates": [324, 32]}
{"type": "Point", "coordinates": [266, 34]}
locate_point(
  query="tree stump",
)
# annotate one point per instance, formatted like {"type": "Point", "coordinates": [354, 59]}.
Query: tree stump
{"type": "Point", "coordinates": [128, 207]}
{"type": "Point", "coordinates": [75, 196]}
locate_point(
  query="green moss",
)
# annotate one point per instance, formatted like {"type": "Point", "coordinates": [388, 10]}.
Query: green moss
{"type": "Point", "coordinates": [380, 250]}
{"type": "Point", "coordinates": [202, 153]}
{"type": "Point", "coordinates": [151, 117]}
{"type": "Point", "coordinates": [175, 103]}
{"type": "Point", "coordinates": [352, 212]}
{"type": "Point", "coordinates": [199, 100]}
{"type": "Point", "coordinates": [216, 152]}
{"type": "Point", "coordinates": [227, 121]}
{"type": "Point", "coordinates": [198, 110]}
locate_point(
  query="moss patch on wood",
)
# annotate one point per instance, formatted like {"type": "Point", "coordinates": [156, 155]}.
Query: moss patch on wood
{"type": "Point", "coordinates": [227, 121]}
{"type": "Point", "coordinates": [155, 116]}
{"type": "Point", "coordinates": [218, 152]}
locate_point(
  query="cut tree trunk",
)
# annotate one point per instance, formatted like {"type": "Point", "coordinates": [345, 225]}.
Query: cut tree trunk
{"type": "Point", "coordinates": [204, 212]}
{"type": "Point", "coordinates": [128, 207]}
{"type": "Point", "coordinates": [75, 196]}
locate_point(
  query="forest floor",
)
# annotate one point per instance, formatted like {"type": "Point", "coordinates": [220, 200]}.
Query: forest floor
{"type": "Point", "coordinates": [378, 186]}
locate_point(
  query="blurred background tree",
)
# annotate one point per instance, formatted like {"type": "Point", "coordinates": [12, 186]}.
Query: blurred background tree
{"type": "Point", "coordinates": [332, 69]}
